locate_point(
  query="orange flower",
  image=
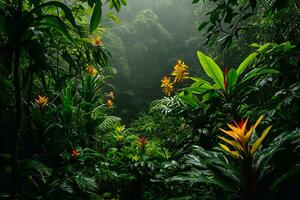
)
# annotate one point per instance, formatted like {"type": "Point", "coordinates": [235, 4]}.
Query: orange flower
{"type": "Point", "coordinates": [97, 41]}
{"type": "Point", "coordinates": [167, 86]}
{"type": "Point", "coordinates": [41, 101]}
{"type": "Point", "coordinates": [91, 70]}
{"type": "Point", "coordinates": [74, 153]}
{"type": "Point", "coordinates": [109, 103]}
{"type": "Point", "coordinates": [180, 71]}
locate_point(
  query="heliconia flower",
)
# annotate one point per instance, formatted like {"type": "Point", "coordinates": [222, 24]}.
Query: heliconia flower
{"type": "Point", "coordinates": [41, 101]}
{"type": "Point", "coordinates": [74, 153]}
{"type": "Point", "coordinates": [180, 71]}
{"type": "Point", "coordinates": [111, 95]}
{"type": "Point", "coordinates": [167, 86]}
{"type": "Point", "coordinates": [96, 41]}
{"type": "Point", "coordinates": [143, 141]}
{"type": "Point", "coordinates": [91, 70]}
{"type": "Point", "coordinates": [109, 103]}
{"type": "Point", "coordinates": [240, 136]}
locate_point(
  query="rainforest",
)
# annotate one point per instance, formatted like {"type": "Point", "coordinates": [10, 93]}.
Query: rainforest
{"type": "Point", "coordinates": [149, 99]}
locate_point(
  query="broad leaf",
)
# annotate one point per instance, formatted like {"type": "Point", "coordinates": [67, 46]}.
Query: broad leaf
{"type": "Point", "coordinates": [232, 78]}
{"type": "Point", "coordinates": [67, 11]}
{"type": "Point", "coordinates": [211, 69]}
{"type": "Point", "coordinates": [96, 16]}
{"type": "Point", "coordinates": [259, 71]}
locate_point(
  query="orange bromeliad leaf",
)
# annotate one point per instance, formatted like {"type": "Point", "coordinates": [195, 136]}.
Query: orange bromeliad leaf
{"type": "Point", "coordinates": [241, 137]}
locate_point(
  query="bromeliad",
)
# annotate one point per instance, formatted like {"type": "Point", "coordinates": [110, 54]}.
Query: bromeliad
{"type": "Point", "coordinates": [41, 101]}
{"type": "Point", "coordinates": [240, 136]}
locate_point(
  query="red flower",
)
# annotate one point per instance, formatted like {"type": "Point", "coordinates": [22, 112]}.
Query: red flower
{"type": "Point", "coordinates": [239, 124]}
{"type": "Point", "coordinates": [143, 141]}
{"type": "Point", "coordinates": [225, 79]}
{"type": "Point", "coordinates": [74, 153]}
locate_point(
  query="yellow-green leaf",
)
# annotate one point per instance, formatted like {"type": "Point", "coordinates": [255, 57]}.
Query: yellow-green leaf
{"type": "Point", "coordinates": [259, 140]}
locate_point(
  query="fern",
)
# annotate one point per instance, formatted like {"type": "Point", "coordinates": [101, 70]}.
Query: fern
{"type": "Point", "coordinates": [108, 123]}
{"type": "Point", "coordinates": [166, 105]}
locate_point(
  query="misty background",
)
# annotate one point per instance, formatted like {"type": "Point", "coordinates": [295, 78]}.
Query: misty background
{"type": "Point", "coordinates": [145, 46]}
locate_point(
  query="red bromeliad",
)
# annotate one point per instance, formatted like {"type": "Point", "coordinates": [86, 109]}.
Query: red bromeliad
{"type": "Point", "coordinates": [74, 153]}
{"type": "Point", "coordinates": [143, 141]}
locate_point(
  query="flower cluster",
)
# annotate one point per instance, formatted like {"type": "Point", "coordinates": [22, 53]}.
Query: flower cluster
{"type": "Point", "coordinates": [91, 70]}
{"type": "Point", "coordinates": [110, 96]}
{"type": "Point", "coordinates": [167, 86]}
{"type": "Point", "coordinates": [96, 41]}
{"type": "Point", "coordinates": [180, 72]}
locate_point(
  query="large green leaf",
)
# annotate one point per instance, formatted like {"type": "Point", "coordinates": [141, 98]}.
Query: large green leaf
{"type": "Point", "coordinates": [246, 63]}
{"type": "Point", "coordinates": [55, 22]}
{"type": "Point", "coordinates": [67, 11]}
{"type": "Point", "coordinates": [259, 71]}
{"type": "Point", "coordinates": [250, 58]}
{"type": "Point", "coordinates": [232, 79]}
{"type": "Point", "coordinates": [211, 69]}
{"type": "Point", "coordinates": [96, 16]}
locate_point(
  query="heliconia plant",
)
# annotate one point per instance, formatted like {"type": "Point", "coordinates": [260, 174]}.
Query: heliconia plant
{"type": "Point", "coordinates": [224, 83]}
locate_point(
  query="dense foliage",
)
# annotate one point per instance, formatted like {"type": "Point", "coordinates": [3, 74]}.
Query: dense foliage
{"type": "Point", "coordinates": [75, 76]}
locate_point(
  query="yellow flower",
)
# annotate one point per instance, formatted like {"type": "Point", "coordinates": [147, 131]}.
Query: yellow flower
{"type": "Point", "coordinates": [120, 128]}
{"type": "Point", "coordinates": [135, 158]}
{"type": "Point", "coordinates": [180, 71]}
{"type": "Point", "coordinates": [41, 101]}
{"type": "Point", "coordinates": [240, 138]}
{"type": "Point", "coordinates": [167, 86]}
{"type": "Point", "coordinates": [120, 138]}
{"type": "Point", "coordinates": [109, 103]}
{"type": "Point", "coordinates": [91, 70]}
{"type": "Point", "coordinates": [111, 95]}
{"type": "Point", "coordinates": [96, 41]}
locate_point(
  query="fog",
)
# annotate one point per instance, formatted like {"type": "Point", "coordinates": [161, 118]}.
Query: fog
{"type": "Point", "coordinates": [146, 44]}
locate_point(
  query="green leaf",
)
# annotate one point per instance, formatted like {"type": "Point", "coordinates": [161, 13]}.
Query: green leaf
{"type": "Point", "coordinates": [56, 23]}
{"type": "Point", "coordinates": [96, 16]}
{"type": "Point", "coordinates": [91, 3]}
{"type": "Point", "coordinates": [124, 2]}
{"type": "Point", "coordinates": [251, 57]}
{"type": "Point", "coordinates": [202, 26]}
{"type": "Point", "coordinates": [117, 5]}
{"type": "Point", "coordinates": [259, 71]}
{"type": "Point", "coordinates": [67, 11]}
{"type": "Point", "coordinates": [285, 177]}
{"type": "Point", "coordinates": [232, 78]}
{"type": "Point", "coordinates": [189, 99]}
{"type": "Point", "coordinates": [246, 63]}
{"type": "Point", "coordinates": [211, 69]}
